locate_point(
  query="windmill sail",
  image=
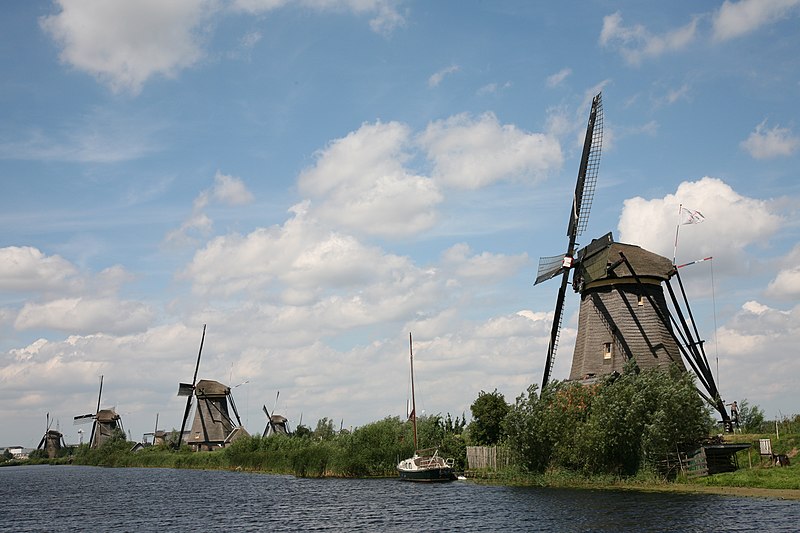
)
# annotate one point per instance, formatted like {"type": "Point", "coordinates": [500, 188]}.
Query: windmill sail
{"type": "Point", "coordinates": [187, 389]}
{"type": "Point", "coordinates": [550, 267]}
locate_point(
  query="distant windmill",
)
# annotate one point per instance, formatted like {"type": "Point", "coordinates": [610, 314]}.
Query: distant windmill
{"type": "Point", "coordinates": [624, 313]}
{"type": "Point", "coordinates": [52, 441]}
{"type": "Point", "coordinates": [212, 426]}
{"type": "Point", "coordinates": [276, 424]}
{"type": "Point", "coordinates": [105, 422]}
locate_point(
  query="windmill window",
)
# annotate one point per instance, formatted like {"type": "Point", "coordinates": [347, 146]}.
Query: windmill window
{"type": "Point", "coordinates": [641, 300]}
{"type": "Point", "coordinates": [607, 350]}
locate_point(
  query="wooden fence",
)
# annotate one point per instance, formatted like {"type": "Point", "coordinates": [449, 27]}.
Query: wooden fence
{"type": "Point", "coordinates": [487, 457]}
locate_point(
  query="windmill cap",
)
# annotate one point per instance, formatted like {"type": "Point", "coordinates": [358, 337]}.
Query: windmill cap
{"type": "Point", "coordinates": [209, 387]}
{"type": "Point", "coordinates": [647, 265]}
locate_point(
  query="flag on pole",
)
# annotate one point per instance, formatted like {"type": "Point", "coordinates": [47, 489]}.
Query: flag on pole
{"type": "Point", "coordinates": [689, 216]}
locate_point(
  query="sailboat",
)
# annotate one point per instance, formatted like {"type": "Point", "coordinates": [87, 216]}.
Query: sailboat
{"type": "Point", "coordinates": [426, 465]}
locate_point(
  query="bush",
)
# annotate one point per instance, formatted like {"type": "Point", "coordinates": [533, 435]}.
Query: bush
{"type": "Point", "coordinates": [616, 427]}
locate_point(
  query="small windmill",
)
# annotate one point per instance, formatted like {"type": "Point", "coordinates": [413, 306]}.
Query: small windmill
{"type": "Point", "coordinates": [52, 441]}
{"type": "Point", "coordinates": [212, 426]}
{"type": "Point", "coordinates": [276, 424]}
{"type": "Point", "coordinates": [624, 314]}
{"type": "Point", "coordinates": [105, 422]}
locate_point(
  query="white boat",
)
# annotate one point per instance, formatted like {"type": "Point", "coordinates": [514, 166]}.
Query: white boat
{"type": "Point", "coordinates": [425, 465]}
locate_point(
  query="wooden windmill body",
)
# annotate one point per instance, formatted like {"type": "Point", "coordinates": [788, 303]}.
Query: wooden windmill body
{"type": "Point", "coordinates": [52, 442]}
{"type": "Point", "coordinates": [106, 422]}
{"type": "Point", "coordinates": [212, 423]}
{"type": "Point", "coordinates": [622, 316]}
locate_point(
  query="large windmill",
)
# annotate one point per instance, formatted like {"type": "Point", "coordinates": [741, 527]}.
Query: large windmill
{"type": "Point", "coordinates": [212, 426]}
{"type": "Point", "coordinates": [624, 314]}
{"type": "Point", "coordinates": [53, 441]}
{"type": "Point", "coordinates": [105, 422]}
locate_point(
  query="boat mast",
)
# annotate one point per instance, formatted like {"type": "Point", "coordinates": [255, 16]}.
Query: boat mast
{"type": "Point", "coordinates": [413, 399]}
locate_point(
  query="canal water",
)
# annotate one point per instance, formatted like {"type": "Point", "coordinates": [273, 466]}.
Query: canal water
{"type": "Point", "coordinates": [79, 498]}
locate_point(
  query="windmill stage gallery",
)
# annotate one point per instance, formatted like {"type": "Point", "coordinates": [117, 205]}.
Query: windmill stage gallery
{"type": "Point", "coordinates": [633, 309]}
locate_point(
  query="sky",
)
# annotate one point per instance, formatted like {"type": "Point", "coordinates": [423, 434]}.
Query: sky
{"type": "Point", "coordinates": [314, 179]}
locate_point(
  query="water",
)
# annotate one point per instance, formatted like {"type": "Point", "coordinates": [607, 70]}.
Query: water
{"type": "Point", "coordinates": [75, 498]}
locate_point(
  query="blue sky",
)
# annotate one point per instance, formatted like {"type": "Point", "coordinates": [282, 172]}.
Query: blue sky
{"type": "Point", "coordinates": [314, 179]}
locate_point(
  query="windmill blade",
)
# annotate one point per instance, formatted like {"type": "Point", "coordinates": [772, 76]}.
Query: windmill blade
{"type": "Point", "coordinates": [588, 170]}
{"type": "Point", "coordinates": [189, 396]}
{"type": "Point", "coordinates": [270, 423]}
{"type": "Point", "coordinates": [41, 442]}
{"type": "Point", "coordinates": [549, 267]}
{"type": "Point", "coordinates": [185, 389]}
{"type": "Point", "coordinates": [94, 425]}
{"type": "Point", "coordinates": [579, 216]}
{"type": "Point", "coordinates": [555, 330]}
{"type": "Point", "coordinates": [83, 419]}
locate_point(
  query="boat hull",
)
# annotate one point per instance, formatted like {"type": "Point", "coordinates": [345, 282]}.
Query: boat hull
{"type": "Point", "coordinates": [427, 475]}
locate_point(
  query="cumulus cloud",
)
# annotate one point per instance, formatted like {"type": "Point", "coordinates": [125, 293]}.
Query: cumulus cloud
{"type": "Point", "coordinates": [437, 77]}
{"type": "Point", "coordinates": [786, 284]}
{"type": "Point", "coordinates": [124, 44]}
{"type": "Point", "coordinates": [359, 182]}
{"type": "Point", "coordinates": [27, 269]}
{"type": "Point", "coordinates": [469, 153]}
{"type": "Point", "coordinates": [636, 43]}
{"type": "Point", "coordinates": [752, 348]}
{"type": "Point", "coordinates": [732, 222]}
{"type": "Point", "coordinates": [735, 19]}
{"type": "Point", "coordinates": [85, 315]}
{"type": "Point", "coordinates": [227, 190]}
{"type": "Point", "coordinates": [765, 143]}
{"type": "Point", "coordinates": [305, 262]}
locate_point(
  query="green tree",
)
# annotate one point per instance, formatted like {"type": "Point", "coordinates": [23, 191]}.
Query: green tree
{"type": "Point", "coordinates": [615, 427]}
{"type": "Point", "coordinates": [488, 412]}
{"type": "Point", "coordinates": [324, 430]}
{"type": "Point", "coordinates": [751, 417]}
{"type": "Point", "coordinates": [302, 431]}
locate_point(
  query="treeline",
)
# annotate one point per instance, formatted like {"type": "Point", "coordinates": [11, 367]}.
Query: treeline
{"type": "Point", "coordinates": [372, 450]}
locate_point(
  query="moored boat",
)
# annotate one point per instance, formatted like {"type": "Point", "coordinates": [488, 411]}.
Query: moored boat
{"type": "Point", "coordinates": [426, 465]}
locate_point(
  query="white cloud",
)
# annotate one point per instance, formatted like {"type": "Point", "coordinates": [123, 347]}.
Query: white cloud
{"type": "Point", "coordinates": [766, 143]}
{"type": "Point", "coordinates": [755, 347]}
{"type": "Point", "coordinates": [437, 77]}
{"type": "Point", "coordinates": [385, 16]}
{"type": "Point", "coordinates": [123, 44]}
{"type": "Point", "coordinates": [735, 19]}
{"type": "Point", "coordinates": [227, 190]}
{"type": "Point", "coordinates": [469, 153]}
{"type": "Point", "coordinates": [556, 79]}
{"type": "Point", "coordinates": [732, 223]}
{"type": "Point", "coordinates": [305, 264]}
{"type": "Point", "coordinates": [459, 260]}
{"type": "Point", "coordinates": [359, 182]}
{"type": "Point", "coordinates": [85, 315]}
{"type": "Point", "coordinates": [786, 284]}
{"type": "Point", "coordinates": [230, 190]}
{"type": "Point", "coordinates": [636, 43]}
{"type": "Point", "coordinates": [27, 269]}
